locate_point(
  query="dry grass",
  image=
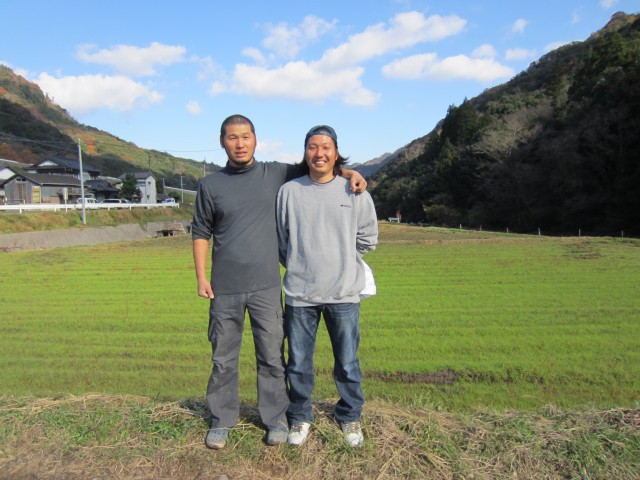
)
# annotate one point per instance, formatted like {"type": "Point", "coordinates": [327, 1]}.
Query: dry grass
{"type": "Point", "coordinates": [112, 437]}
{"type": "Point", "coordinates": [43, 221]}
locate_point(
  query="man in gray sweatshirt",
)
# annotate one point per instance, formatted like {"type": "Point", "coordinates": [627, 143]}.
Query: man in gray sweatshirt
{"type": "Point", "coordinates": [235, 206]}
{"type": "Point", "coordinates": [323, 231]}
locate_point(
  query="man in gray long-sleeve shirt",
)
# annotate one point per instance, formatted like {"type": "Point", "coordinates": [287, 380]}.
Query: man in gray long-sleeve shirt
{"type": "Point", "coordinates": [236, 206]}
{"type": "Point", "coordinates": [323, 232]}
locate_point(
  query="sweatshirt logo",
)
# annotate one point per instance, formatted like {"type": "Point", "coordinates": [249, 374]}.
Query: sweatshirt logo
{"type": "Point", "coordinates": [345, 206]}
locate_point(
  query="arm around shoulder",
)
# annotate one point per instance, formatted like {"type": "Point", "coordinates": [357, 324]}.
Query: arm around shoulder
{"type": "Point", "coordinates": [367, 236]}
{"type": "Point", "coordinates": [356, 180]}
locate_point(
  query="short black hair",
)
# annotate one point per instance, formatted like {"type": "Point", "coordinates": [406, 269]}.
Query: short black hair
{"type": "Point", "coordinates": [236, 119]}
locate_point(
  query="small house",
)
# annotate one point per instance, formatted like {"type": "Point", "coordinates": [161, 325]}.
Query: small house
{"type": "Point", "coordinates": [26, 187]}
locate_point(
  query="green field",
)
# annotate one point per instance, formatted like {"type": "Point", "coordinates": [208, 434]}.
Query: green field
{"type": "Point", "coordinates": [462, 321]}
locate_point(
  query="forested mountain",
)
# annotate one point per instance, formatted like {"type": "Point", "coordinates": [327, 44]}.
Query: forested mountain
{"type": "Point", "coordinates": [33, 127]}
{"type": "Point", "coordinates": [557, 147]}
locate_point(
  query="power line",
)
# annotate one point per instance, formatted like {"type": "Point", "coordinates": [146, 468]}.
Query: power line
{"type": "Point", "coordinates": [157, 149]}
{"type": "Point", "coordinates": [52, 144]}
{"type": "Point", "coordinates": [64, 146]}
{"type": "Point", "coordinates": [102, 142]}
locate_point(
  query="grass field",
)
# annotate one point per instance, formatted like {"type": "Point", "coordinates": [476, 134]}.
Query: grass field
{"type": "Point", "coordinates": [462, 320]}
{"type": "Point", "coordinates": [485, 356]}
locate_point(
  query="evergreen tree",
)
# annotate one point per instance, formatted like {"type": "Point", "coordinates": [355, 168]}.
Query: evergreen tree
{"type": "Point", "coordinates": [130, 187]}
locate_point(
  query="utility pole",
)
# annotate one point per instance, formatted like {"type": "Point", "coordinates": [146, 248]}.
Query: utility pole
{"type": "Point", "coordinates": [181, 190]}
{"type": "Point", "coordinates": [84, 215]}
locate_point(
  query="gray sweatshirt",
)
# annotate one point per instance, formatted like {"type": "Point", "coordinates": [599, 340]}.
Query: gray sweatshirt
{"type": "Point", "coordinates": [323, 231]}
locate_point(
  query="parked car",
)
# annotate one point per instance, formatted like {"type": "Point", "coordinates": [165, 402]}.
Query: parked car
{"type": "Point", "coordinates": [116, 200]}
{"type": "Point", "coordinates": [87, 201]}
{"type": "Point", "coordinates": [169, 200]}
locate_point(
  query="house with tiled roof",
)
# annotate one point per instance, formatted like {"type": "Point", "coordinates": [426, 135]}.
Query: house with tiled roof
{"type": "Point", "coordinates": [28, 187]}
{"type": "Point", "coordinates": [52, 180]}
{"type": "Point", "coordinates": [102, 189]}
{"type": "Point", "coordinates": [8, 170]}
{"type": "Point", "coordinates": [65, 166]}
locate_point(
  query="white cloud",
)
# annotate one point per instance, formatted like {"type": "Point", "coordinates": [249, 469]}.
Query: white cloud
{"type": "Point", "coordinates": [17, 70]}
{"type": "Point", "coordinates": [131, 60]}
{"type": "Point", "coordinates": [519, 54]}
{"type": "Point", "coordinates": [575, 17]}
{"type": "Point", "coordinates": [484, 51]}
{"type": "Point", "coordinates": [286, 41]}
{"type": "Point", "coordinates": [286, 157]}
{"type": "Point", "coordinates": [361, 97]}
{"type": "Point", "coordinates": [255, 54]}
{"type": "Point", "coordinates": [427, 66]}
{"type": "Point", "coordinates": [273, 150]}
{"type": "Point", "coordinates": [88, 93]}
{"type": "Point", "coordinates": [413, 67]}
{"type": "Point", "coordinates": [608, 3]}
{"type": "Point", "coordinates": [338, 73]}
{"type": "Point", "coordinates": [218, 88]}
{"type": "Point", "coordinates": [193, 107]}
{"type": "Point", "coordinates": [208, 68]}
{"type": "Point", "coordinates": [298, 81]}
{"type": "Point", "coordinates": [461, 66]}
{"type": "Point", "coordinates": [405, 30]}
{"type": "Point", "coordinates": [553, 45]}
{"type": "Point", "coordinates": [519, 26]}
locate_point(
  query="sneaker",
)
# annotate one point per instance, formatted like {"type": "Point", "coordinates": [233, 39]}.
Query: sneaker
{"type": "Point", "coordinates": [352, 433]}
{"type": "Point", "coordinates": [217, 438]}
{"type": "Point", "coordinates": [299, 433]}
{"type": "Point", "coordinates": [277, 435]}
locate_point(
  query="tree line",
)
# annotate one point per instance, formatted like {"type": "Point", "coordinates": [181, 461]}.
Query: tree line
{"type": "Point", "coordinates": [556, 147]}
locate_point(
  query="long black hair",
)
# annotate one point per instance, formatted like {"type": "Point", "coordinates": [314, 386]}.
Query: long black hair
{"type": "Point", "coordinates": [303, 167]}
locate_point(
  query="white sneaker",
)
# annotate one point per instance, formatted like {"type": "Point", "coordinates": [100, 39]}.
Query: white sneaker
{"type": "Point", "coordinates": [299, 433]}
{"type": "Point", "coordinates": [352, 433]}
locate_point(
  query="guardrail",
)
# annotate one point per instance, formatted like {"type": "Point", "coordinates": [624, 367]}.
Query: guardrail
{"type": "Point", "coordinates": [52, 207]}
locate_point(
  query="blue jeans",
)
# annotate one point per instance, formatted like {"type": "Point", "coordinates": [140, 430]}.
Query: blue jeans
{"type": "Point", "coordinates": [301, 328]}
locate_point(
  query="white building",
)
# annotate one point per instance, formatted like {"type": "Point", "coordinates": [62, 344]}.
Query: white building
{"type": "Point", "coordinates": [147, 186]}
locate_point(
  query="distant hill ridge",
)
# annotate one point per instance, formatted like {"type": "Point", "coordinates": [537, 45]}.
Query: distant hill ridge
{"type": "Point", "coordinates": [33, 126]}
{"type": "Point", "coordinates": [556, 147]}
{"type": "Point", "coordinates": [416, 147]}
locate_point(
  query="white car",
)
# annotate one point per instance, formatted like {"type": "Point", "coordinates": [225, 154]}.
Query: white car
{"type": "Point", "coordinates": [169, 200]}
{"type": "Point", "coordinates": [87, 201]}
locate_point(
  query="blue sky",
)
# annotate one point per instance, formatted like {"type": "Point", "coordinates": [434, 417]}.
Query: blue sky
{"type": "Point", "coordinates": [164, 75]}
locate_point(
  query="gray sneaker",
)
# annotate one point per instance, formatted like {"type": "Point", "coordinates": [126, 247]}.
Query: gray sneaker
{"type": "Point", "coordinates": [352, 433]}
{"type": "Point", "coordinates": [277, 435]}
{"type": "Point", "coordinates": [216, 438]}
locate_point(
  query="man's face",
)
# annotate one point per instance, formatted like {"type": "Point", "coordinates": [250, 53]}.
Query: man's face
{"type": "Point", "coordinates": [240, 144]}
{"type": "Point", "coordinates": [321, 155]}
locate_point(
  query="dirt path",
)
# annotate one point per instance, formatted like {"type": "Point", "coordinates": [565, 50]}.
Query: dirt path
{"type": "Point", "coordinates": [78, 236]}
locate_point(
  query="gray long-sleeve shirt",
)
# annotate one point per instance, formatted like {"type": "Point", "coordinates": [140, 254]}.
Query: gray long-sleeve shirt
{"type": "Point", "coordinates": [323, 231]}
{"type": "Point", "coordinates": [237, 208]}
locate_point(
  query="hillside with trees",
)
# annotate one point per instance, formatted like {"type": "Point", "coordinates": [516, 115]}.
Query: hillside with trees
{"type": "Point", "coordinates": [557, 147]}
{"type": "Point", "coordinates": [33, 127]}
